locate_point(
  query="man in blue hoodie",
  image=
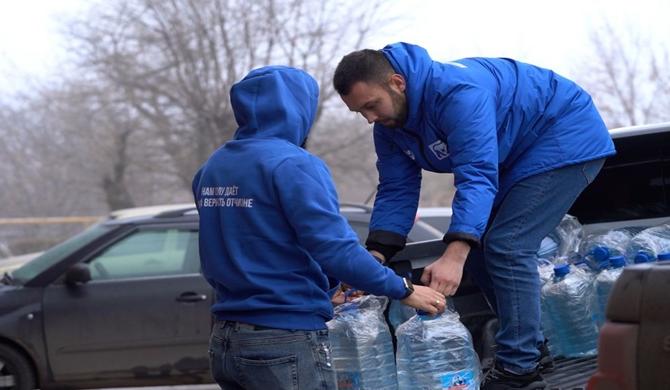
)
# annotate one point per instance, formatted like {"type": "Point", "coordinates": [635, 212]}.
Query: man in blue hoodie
{"type": "Point", "coordinates": [271, 236]}
{"type": "Point", "coordinates": [522, 143]}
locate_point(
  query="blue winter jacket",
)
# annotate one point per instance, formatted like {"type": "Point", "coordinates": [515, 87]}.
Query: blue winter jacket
{"type": "Point", "coordinates": [491, 122]}
{"type": "Point", "coordinates": [270, 228]}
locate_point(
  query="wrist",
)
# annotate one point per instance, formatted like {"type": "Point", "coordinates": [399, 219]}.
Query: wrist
{"type": "Point", "coordinates": [378, 256]}
{"type": "Point", "coordinates": [409, 287]}
{"type": "Point", "coordinates": [457, 251]}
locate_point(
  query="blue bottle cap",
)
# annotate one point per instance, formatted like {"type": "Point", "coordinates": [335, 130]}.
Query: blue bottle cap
{"type": "Point", "coordinates": [642, 257]}
{"type": "Point", "coordinates": [561, 270]}
{"type": "Point", "coordinates": [617, 261]}
{"type": "Point", "coordinates": [664, 256]}
{"type": "Point", "coordinates": [600, 253]}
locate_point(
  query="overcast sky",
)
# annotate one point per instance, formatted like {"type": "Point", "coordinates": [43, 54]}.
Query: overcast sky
{"type": "Point", "coordinates": [552, 34]}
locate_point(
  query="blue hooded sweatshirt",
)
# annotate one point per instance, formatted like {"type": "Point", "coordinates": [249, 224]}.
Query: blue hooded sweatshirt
{"type": "Point", "coordinates": [270, 229]}
{"type": "Point", "coordinates": [491, 122]}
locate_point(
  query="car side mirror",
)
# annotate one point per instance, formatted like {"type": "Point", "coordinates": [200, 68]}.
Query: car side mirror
{"type": "Point", "coordinates": [79, 273]}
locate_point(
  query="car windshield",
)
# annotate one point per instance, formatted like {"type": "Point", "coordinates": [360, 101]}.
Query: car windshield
{"type": "Point", "coordinates": [56, 253]}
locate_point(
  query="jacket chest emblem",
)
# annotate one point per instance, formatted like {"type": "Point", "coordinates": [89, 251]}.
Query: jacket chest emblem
{"type": "Point", "coordinates": [439, 149]}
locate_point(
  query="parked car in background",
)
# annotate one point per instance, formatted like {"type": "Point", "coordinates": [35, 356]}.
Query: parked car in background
{"type": "Point", "coordinates": [359, 219]}
{"type": "Point", "coordinates": [438, 217]}
{"type": "Point", "coordinates": [120, 304]}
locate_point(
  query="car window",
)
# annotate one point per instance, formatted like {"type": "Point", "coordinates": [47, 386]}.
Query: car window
{"type": "Point", "coordinates": [151, 252]}
{"type": "Point", "coordinates": [633, 184]}
{"type": "Point", "coordinates": [57, 253]}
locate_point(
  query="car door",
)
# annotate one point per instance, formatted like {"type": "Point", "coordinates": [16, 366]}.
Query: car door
{"type": "Point", "coordinates": [144, 314]}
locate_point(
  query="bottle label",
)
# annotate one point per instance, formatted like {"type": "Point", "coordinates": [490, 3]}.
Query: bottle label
{"type": "Point", "coordinates": [348, 380]}
{"type": "Point", "coordinates": [459, 380]}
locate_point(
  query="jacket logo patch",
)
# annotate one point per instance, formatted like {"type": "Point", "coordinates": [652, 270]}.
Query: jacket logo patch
{"type": "Point", "coordinates": [410, 154]}
{"type": "Point", "coordinates": [439, 149]}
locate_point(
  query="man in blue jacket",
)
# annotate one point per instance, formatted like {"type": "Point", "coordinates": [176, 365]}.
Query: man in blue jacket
{"type": "Point", "coordinates": [271, 236]}
{"type": "Point", "coordinates": [522, 143]}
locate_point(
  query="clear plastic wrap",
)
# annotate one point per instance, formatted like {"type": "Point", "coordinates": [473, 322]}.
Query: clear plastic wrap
{"type": "Point", "coordinates": [598, 248]}
{"type": "Point", "coordinates": [436, 353]}
{"type": "Point", "coordinates": [548, 248]}
{"type": "Point", "coordinates": [649, 243]}
{"type": "Point", "coordinates": [563, 241]}
{"type": "Point", "coordinates": [399, 313]}
{"type": "Point", "coordinates": [361, 344]}
{"type": "Point", "coordinates": [567, 303]}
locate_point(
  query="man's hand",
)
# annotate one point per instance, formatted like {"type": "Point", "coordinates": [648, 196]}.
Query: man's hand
{"type": "Point", "coordinates": [444, 274]}
{"type": "Point", "coordinates": [426, 299]}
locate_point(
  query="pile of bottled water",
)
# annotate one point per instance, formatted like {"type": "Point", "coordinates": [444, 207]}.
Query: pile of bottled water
{"type": "Point", "coordinates": [577, 273]}
{"type": "Point", "coordinates": [433, 352]}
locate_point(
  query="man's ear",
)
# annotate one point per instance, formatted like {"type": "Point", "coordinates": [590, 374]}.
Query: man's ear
{"type": "Point", "coordinates": [398, 82]}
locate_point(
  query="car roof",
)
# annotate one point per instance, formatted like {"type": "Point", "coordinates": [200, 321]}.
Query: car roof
{"type": "Point", "coordinates": [631, 131]}
{"type": "Point", "coordinates": [148, 213]}
{"type": "Point", "coordinates": [434, 212]}
{"type": "Point", "coordinates": [181, 210]}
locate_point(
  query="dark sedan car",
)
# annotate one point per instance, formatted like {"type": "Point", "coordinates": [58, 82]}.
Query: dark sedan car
{"type": "Point", "coordinates": [120, 304]}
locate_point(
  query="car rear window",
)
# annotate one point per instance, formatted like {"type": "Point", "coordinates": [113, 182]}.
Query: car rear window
{"type": "Point", "coordinates": [634, 184]}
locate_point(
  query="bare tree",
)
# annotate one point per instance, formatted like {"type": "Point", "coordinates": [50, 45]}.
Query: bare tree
{"type": "Point", "coordinates": [628, 77]}
{"type": "Point", "coordinates": [175, 60]}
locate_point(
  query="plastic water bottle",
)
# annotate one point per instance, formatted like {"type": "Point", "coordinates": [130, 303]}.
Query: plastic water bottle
{"type": "Point", "coordinates": [649, 242]}
{"type": "Point", "coordinates": [598, 248]}
{"type": "Point", "coordinates": [603, 286]}
{"type": "Point", "coordinates": [568, 305]}
{"type": "Point", "coordinates": [361, 344]}
{"type": "Point", "coordinates": [399, 313]}
{"type": "Point", "coordinates": [436, 353]}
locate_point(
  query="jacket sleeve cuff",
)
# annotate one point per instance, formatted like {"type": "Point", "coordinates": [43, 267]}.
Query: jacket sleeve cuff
{"type": "Point", "coordinates": [385, 242]}
{"type": "Point", "coordinates": [471, 240]}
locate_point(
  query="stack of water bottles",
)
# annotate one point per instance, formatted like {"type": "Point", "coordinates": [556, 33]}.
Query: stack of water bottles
{"type": "Point", "coordinates": [361, 344]}
{"type": "Point", "coordinates": [575, 294]}
{"type": "Point", "coordinates": [436, 352]}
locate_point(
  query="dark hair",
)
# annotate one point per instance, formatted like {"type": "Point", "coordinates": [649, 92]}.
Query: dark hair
{"type": "Point", "coordinates": [363, 65]}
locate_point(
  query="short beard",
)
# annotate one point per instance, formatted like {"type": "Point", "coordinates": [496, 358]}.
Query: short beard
{"type": "Point", "coordinates": [399, 103]}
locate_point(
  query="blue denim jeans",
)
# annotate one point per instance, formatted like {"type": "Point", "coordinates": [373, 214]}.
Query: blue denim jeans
{"type": "Point", "coordinates": [244, 356]}
{"type": "Point", "coordinates": [506, 265]}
